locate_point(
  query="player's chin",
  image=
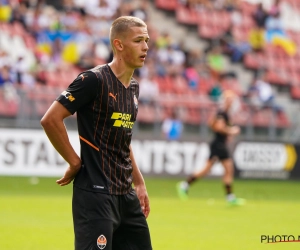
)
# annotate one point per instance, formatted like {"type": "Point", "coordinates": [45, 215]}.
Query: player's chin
{"type": "Point", "coordinates": [140, 64]}
{"type": "Point", "coordinates": [141, 61]}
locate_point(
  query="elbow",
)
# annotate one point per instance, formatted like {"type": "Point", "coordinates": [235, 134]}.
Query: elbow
{"type": "Point", "coordinates": [43, 122]}
{"type": "Point", "coordinates": [46, 122]}
{"type": "Point", "coordinates": [54, 116]}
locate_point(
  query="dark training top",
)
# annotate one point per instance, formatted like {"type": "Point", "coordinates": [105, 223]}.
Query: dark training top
{"type": "Point", "coordinates": [220, 137]}
{"type": "Point", "coordinates": [106, 112]}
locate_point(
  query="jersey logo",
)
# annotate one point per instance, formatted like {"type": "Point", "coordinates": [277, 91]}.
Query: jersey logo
{"type": "Point", "coordinates": [68, 96]}
{"type": "Point", "coordinates": [83, 76]}
{"type": "Point", "coordinates": [122, 120]}
{"type": "Point", "coordinates": [101, 241]}
{"type": "Point", "coordinates": [113, 96]}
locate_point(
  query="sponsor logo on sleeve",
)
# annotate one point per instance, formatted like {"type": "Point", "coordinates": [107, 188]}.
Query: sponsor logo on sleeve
{"type": "Point", "coordinates": [68, 96]}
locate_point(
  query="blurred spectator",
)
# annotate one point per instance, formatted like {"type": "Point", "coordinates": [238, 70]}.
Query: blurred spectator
{"type": "Point", "coordinates": [125, 7]}
{"type": "Point", "coordinates": [102, 8]}
{"type": "Point", "coordinates": [177, 56]}
{"type": "Point", "coordinates": [102, 52]}
{"type": "Point", "coordinates": [228, 5]}
{"type": "Point", "coordinates": [99, 28]}
{"type": "Point", "coordinates": [41, 74]}
{"type": "Point", "coordinates": [148, 70]}
{"type": "Point", "coordinates": [192, 76]}
{"type": "Point", "coordinates": [5, 77]}
{"type": "Point", "coordinates": [5, 11]}
{"type": "Point", "coordinates": [215, 92]}
{"type": "Point", "coordinates": [5, 59]}
{"type": "Point", "coordinates": [163, 41]}
{"type": "Point", "coordinates": [274, 27]}
{"type": "Point", "coordinates": [6, 84]}
{"type": "Point", "coordinates": [28, 80]}
{"type": "Point", "coordinates": [197, 59]}
{"type": "Point", "coordinates": [141, 10]}
{"type": "Point", "coordinates": [236, 18]}
{"type": "Point", "coordinates": [217, 64]}
{"type": "Point", "coordinates": [172, 127]}
{"type": "Point", "coordinates": [68, 21]}
{"type": "Point", "coordinates": [260, 94]}
{"type": "Point", "coordinates": [257, 38]}
{"type": "Point", "coordinates": [275, 34]}
{"type": "Point", "coordinates": [265, 92]}
{"type": "Point", "coordinates": [20, 68]}
{"type": "Point", "coordinates": [177, 59]}
{"type": "Point", "coordinates": [275, 8]}
{"type": "Point", "coordinates": [87, 58]}
{"type": "Point", "coordinates": [260, 16]}
{"type": "Point", "coordinates": [190, 4]}
{"type": "Point", "coordinates": [252, 96]}
{"type": "Point", "coordinates": [172, 59]}
{"type": "Point", "coordinates": [237, 48]}
{"type": "Point", "coordinates": [148, 90]}
{"type": "Point", "coordinates": [18, 14]}
{"type": "Point", "coordinates": [56, 52]}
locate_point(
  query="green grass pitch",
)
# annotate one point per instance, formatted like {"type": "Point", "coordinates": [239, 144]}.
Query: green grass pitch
{"type": "Point", "coordinates": [37, 216]}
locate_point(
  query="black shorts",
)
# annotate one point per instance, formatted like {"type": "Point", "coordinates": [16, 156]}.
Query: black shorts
{"type": "Point", "coordinates": [109, 222]}
{"type": "Point", "coordinates": [219, 150]}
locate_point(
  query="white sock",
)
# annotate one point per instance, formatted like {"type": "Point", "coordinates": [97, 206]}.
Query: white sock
{"type": "Point", "coordinates": [230, 197]}
{"type": "Point", "coordinates": [184, 185]}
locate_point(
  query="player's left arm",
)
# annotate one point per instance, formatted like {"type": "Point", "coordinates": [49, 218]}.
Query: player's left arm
{"type": "Point", "coordinates": [139, 185]}
{"type": "Point", "coordinates": [219, 125]}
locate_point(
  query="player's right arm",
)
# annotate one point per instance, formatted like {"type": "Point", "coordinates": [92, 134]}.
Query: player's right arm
{"type": "Point", "coordinates": [80, 92]}
{"type": "Point", "coordinates": [54, 127]}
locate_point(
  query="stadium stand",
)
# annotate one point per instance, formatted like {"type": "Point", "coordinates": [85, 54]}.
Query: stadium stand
{"type": "Point", "coordinates": [55, 62]}
{"type": "Point", "coordinates": [213, 24]}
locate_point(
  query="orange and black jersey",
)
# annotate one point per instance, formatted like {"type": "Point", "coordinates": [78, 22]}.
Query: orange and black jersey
{"type": "Point", "coordinates": [106, 112]}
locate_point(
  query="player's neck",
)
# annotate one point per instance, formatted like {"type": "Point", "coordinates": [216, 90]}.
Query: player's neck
{"type": "Point", "coordinates": [121, 71]}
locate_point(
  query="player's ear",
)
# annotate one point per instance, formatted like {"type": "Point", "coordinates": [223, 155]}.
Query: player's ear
{"type": "Point", "coordinates": [118, 44]}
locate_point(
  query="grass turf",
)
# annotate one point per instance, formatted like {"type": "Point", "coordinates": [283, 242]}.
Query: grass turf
{"type": "Point", "coordinates": [35, 214]}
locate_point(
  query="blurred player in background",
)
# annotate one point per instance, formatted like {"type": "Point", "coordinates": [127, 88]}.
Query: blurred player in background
{"type": "Point", "coordinates": [108, 213]}
{"type": "Point", "coordinates": [223, 130]}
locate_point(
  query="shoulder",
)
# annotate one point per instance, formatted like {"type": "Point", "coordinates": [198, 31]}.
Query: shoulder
{"type": "Point", "coordinates": [99, 70]}
{"type": "Point", "coordinates": [95, 75]}
{"type": "Point", "coordinates": [85, 78]}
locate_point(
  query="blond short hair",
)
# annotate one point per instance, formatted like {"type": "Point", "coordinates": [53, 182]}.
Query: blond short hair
{"type": "Point", "coordinates": [122, 24]}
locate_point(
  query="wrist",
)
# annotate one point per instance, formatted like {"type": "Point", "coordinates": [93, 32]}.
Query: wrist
{"type": "Point", "coordinates": [76, 164]}
{"type": "Point", "coordinates": [139, 182]}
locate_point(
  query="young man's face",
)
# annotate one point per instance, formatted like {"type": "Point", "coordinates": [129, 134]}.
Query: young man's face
{"type": "Point", "coordinates": [135, 47]}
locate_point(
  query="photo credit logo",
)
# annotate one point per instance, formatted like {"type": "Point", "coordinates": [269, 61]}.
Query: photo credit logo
{"type": "Point", "coordinates": [269, 239]}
